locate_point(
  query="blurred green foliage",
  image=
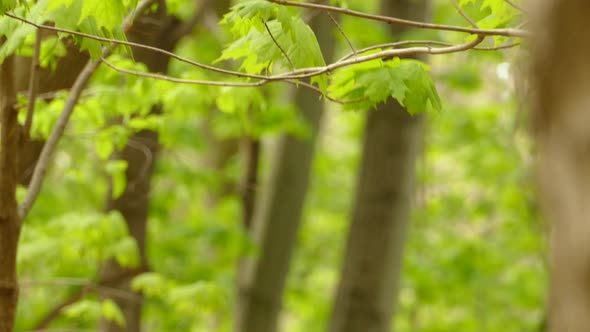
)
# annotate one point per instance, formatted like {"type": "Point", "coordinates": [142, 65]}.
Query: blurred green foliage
{"type": "Point", "coordinates": [475, 253]}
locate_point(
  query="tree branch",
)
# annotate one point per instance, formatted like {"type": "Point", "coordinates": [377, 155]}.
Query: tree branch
{"type": "Point", "coordinates": [462, 13]}
{"type": "Point", "coordinates": [138, 45]}
{"type": "Point", "coordinates": [310, 71]}
{"type": "Point", "coordinates": [264, 77]}
{"type": "Point", "coordinates": [58, 130]}
{"type": "Point", "coordinates": [33, 85]}
{"type": "Point", "coordinates": [424, 42]}
{"type": "Point", "coordinates": [341, 32]}
{"type": "Point", "coordinates": [515, 6]}
{"type": "Point", "coordinates": [279, 46]}
{"type": "Point", "coordinates": [217, 83]}
{"type": "Point", "coordinates": [79, 295]}
{"type": "Point", "coordinates": [410, 23]}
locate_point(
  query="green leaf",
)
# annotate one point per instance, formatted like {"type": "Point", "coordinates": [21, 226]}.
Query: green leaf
{"type": "Point", "coordinates": [116, 169]}
{"type": "Point", "coordinates": [258, 50]}
{"type": "Point", "coordinates": [405, 80]}
{"type": "Point", "coordinates": [126, 252]}
{"type": "Point", "coordinates": [52, 49]}
{"type": "Point", "coordinates": [84, 309]}
{"type": "Point", "coordinates": [6, 5]}
{"type": "Point", "coordinates": [112, 312]}
{"type": "Point", "coordinates": [55, 4]}
{"type": "Point", "coordinates": [422, 92]}
{"type": "Point", "coordinates": [104, 147]}
{"type": "Point", "coordinates": [305, 50]}
{"type": "Point", "coordinates": [151, 284]}
{"type": "Point", "coordinates": [107, 13]}
{"type": "Point", "coordinates": [252, 13]}
{"type": "Point", "coordinates": [17, 32]}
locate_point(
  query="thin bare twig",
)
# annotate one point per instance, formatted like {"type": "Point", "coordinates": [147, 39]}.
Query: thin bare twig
{"type": "Point", "coordinates": [410, 23]}
{"type": "Point", "coordinates": [314, 71]}
{"type": "Point", "coordinates": [515, 6]}
{"type": "Point", "coordinates": [186, 28]}
{"type": "Point", "coordinates": [79, 295]}
{"type": "Point", "coordinates": [522, 24]}
{"type": "Point", "coordinates": [56, 311]}
{"type": "Point", "coordinates": [462, 13]}
{"type": "Point", "coordinates": [341, 32]}
{"type": "Point", "coordinates": [200, 65]}
{"type": "Point", "coordinates": [138, 45]}
{"type": "Point", "coordinates": [318, 90]}
{"type": "Point", "coordinates": [62, 330]}
{"type": "Point", "coordinates": [85, 283]}
{"type": "Point", "coordinates": [278, 45]}
{"type": "Point", "coordinates": [231, 84]}
{"type": "Point", "coordinates": [423, 42]}
{"type": "Point", "coordinates": [58, 130]}
{"type": "Point", "coordinates": [163, 77]}
{"type": "Point", "coordinates": [33, 85]}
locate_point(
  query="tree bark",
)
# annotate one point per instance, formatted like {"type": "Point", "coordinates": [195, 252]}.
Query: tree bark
{"type": "Point", "coordinates": [366, 295]}
{"type": "Point", "coordinates": [140, 154]}
{"type": "Point", "coordinates": [561, 77]}
{"type": "Point", "coordinates": [278, 214]}
{"type": "Point", "coordinates": [9, 218]}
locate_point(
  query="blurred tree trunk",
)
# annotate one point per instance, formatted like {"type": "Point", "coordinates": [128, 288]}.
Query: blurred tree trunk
{"type": "Point", "coordinates": [278, 214]}
{"type": "Point", "coordinates": [561, 76]}
{"type": "Point", "coordinates": [367, 292]}
{"type": "Point", "coordinates": [161, 31]}
{"type": "Point", "coordinates": [140, 154]}
{"type": "Point", "coordinates": [9, 218]}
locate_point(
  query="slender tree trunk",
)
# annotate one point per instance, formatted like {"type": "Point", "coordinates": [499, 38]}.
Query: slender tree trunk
{"type": "Point", "coordinates": [562, 113]}
{"type": "Point", "coordinates": [140, 154]}
{"type": "Point", "coordinates": [367, 292]}
{"type": "Point", "coordinates": [278, 213]}
{"type": "Point", "coordinates": [250, 181]}
{"type": "Point", "coordinates": [9, 219]}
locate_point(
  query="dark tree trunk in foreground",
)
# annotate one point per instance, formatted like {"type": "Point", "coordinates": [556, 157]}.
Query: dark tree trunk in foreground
{"type": "Point", "coordinates": [561, 76]}
{"type": "Point", "coordinates": [278, 214]}
{"type": "Point", "coordinates": [9, 218]}
{"type": "Point", "coordinates": [367, 292]}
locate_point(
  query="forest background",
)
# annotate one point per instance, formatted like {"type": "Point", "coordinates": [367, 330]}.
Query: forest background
{"type": "Point", "coordinates": [148, 214]}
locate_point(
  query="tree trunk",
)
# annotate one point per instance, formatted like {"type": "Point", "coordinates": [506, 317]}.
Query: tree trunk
{"type": "Point", "coordinates": [9, 218]}
{"type": "Point", "coordinates": [561, 76]}
{"type": "Point", "coordinates": [367, 292]}
{"type": "Point", "coordinates": [140, 154]}
{"type": "Point", "coordinates": [278, 214]}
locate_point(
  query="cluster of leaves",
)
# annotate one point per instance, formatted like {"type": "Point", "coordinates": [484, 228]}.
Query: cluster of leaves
{"type": "Point", "coordinates": [97, 18]}
{"type": "Point", "coordinates": [375, 81]}
{"type": "Point", "coordinates": [267, 33]}
{"type": "Point", "coordinates": [264, 31]}
{"type": "Point", "coordinates": [499, 12]}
